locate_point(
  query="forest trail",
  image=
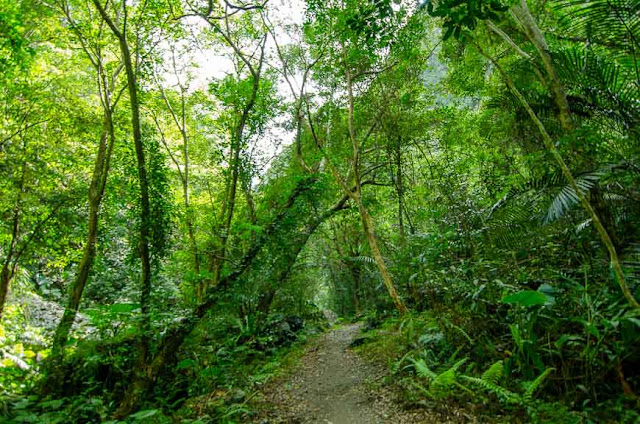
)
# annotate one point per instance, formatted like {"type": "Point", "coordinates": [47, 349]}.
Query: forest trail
{"type": "Point", "coordinates": [332, 385]}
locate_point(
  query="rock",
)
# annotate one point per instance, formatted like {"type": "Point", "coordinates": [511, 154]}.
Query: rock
{"type": "Point", "coordinates": [296, 323]}
{"type": "Point", "coordinates": [46, 315]}
{"type": "Point", "coordinates": [16, 361]}
{"type": "Point", "coordinates": [330, 316]}
{"type": "Point", "coordinates": [359, 341]}
{"type": "Point", "coordinates": [238, 396]}
{"type": "Point", "coordinates": [285, 327]}
{"type": "Point", "coordinates": [371, 323]}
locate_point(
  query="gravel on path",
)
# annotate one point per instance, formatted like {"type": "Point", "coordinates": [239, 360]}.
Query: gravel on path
{"type": "Point", "coordinates": [332, 385]}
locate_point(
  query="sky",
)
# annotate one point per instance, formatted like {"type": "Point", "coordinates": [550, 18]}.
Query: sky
{"type": "Point", "coordinates": [215, 63]}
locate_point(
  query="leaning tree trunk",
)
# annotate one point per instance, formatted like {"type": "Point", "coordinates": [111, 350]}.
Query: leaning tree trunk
{"type": "Point", "coordinates": [369, 232]}
{"type": "Point", "coordinates": [596, 210]}
{"type": "Point", "coordinates": [523, 15]}
{"type": "Point", "coordinates": [173, 339]}
{"type": "Point", "coordinates": [230, 202]}
{"type": "Point", "coordinates": [96, 193]}
{"type": "Point", "coordinates": [597, 223]}
{"type": "Point", "coordinates": [367, 221]}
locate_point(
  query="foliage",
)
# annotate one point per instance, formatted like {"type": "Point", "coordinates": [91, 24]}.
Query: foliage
{"type": "Point", "coordinates": [313, 167]}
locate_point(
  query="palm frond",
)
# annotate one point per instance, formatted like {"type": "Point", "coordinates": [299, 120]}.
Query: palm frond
{"type": "Point", "coordinates": [611, 22]}
{"type": "Point", "coordinates": [603, 85]}
{"type": "Point", "coordinates": [362, 259]}
{"type": "Point", "coordinates": [567, 198]}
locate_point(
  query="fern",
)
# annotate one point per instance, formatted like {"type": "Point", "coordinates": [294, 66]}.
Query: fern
{"type": "Point", "coordinates": [535, 384]}
{"type": "Point", "coordinates": [488, 386]}
{"type": "Point", "coordinates": [396, 365]}
{"type": "Point", "coordinates": [447, 378]}
{"type": "Point", "coordinates": [459, 330]}
{"type": "Point", "coordinates": [422, 369]}
{"type": "Point", "coordinates": [494, 373]}
{"type": "Point", "coordinates": [423, 389]}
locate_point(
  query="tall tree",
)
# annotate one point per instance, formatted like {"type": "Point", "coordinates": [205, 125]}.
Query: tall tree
{"type": "Point", "coordinates": [119, 28]}
{"type": "Point", "coordinates": [109, 91]}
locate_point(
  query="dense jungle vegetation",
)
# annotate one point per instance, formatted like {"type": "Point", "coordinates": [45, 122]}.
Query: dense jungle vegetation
{"type": "Point", "coordinates": [192, 189]}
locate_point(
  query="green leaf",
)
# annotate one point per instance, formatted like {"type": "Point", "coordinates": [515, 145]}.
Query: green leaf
{"type": "Point", "coordinates": [123, 308]}
{"type": "Point", "coordinates": [636, 321]}
{"type": "Point", "coordinates": [144, 414]}
{"type": "Point", "coordinates": [526, 298]}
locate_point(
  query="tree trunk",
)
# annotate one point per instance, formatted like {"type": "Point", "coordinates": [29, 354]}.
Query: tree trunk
{"type": "Point", "coordinates": [185, 187]}
{"type": "Point", "coordinates": [367, 221]}
{"type": "Point", "coordinates": [10, 262]}
{"type": "Point", "coordinates": [399, 186]}
{"type": "Point", "coordinates": [531, 29]}
{"type": "Point", "coordinates": [145, 216]}
{"type": "Point", "coordinates": [5, 279]}
{"type": "Point", "coordinates": [231, 195]}
{"type": "Point", "coordinates": [230, 203]}
{"type": "Point", "coordinates": [367, 226]}
{"type": "Point", "coordinates": [171, 342]}
{"type": "Point", "coordinates": [355, 274]}
{"type": "Point", "coordinates": [96, 193]}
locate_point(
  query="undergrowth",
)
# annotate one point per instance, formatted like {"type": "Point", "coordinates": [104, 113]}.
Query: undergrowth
{"type": "Point", "coordinates": [443, 363]}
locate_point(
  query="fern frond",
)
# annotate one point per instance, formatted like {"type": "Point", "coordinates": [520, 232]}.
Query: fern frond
{"type": "Point", "coordinates": [447, 379]}
{"type": "Point", "coordinates": [422, 369]}
{"type": "Point", "coordinates": [396, 365]}
{"type": "Point", "coordinates": [535, 384]}
{"type": "Point", "coordinates": [502, 393]}
{"type": "Point", "coordinates": [422, 389]}
{"type": "Point", "coordinates": [494, 373]}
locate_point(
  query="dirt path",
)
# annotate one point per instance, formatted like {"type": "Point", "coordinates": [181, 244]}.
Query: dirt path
{"type": "Point", "coordinates": [332, 385]}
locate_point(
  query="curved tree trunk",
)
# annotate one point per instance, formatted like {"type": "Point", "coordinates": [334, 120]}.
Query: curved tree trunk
{"type": "Point", "coordinates": [367, 221]}
{"type": "Point", "coordinates": [96, 193]}
{"type": "Point", "coordinates": [597, 223]}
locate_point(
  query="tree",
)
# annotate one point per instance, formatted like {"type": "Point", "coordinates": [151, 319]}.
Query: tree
{"type": "Point", "coordinates": [109, 92]}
